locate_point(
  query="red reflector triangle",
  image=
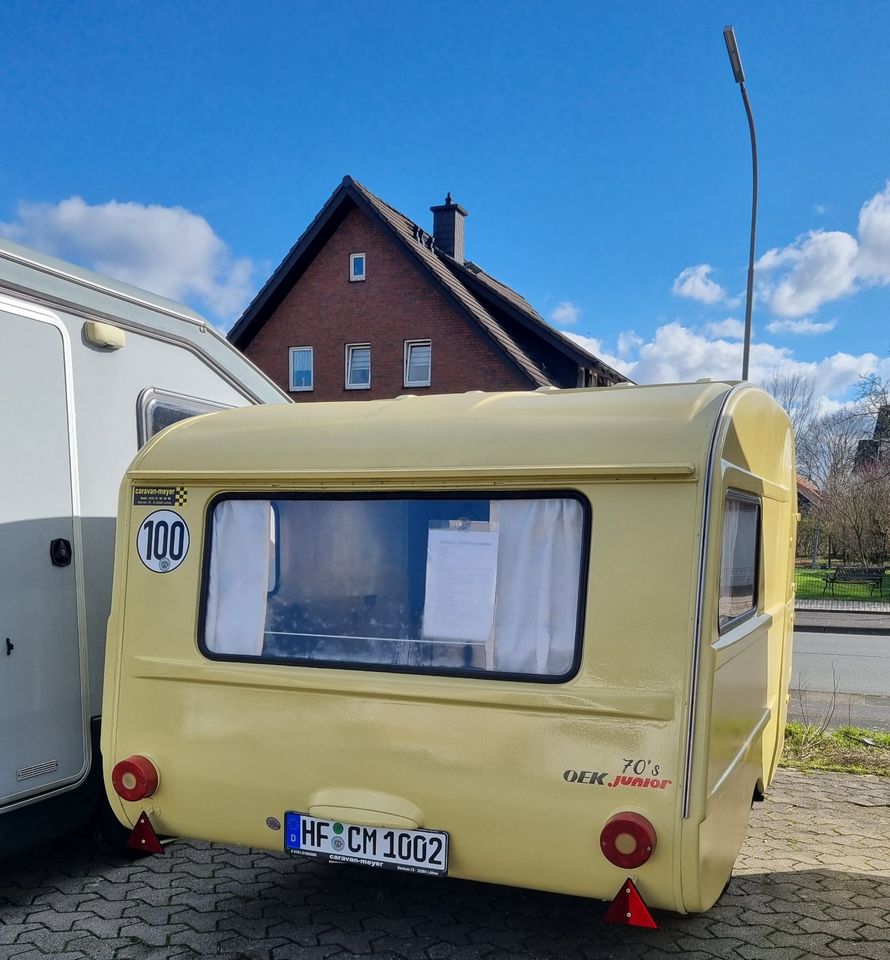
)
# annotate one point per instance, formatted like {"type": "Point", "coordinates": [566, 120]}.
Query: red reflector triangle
{"type": "Point", "coordinates": [144, 837]}
{"type": "Point", "coordinates": [628, 908]}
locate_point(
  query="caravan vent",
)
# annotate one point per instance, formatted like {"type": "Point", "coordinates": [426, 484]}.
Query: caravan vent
{"type": "Point", "coordinates": [34, 771]}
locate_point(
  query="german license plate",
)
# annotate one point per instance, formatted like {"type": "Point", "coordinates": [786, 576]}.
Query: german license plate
{"type": "Point", "coordinates": [412, 851]}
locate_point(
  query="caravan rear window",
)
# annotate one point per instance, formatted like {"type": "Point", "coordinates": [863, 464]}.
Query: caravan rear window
{"type": "Point", "coordinates": [472, 585]}
{"type": "Point", "coordinates": [157, 409]}
{"type": "Point", "coordinates": [739, 559]}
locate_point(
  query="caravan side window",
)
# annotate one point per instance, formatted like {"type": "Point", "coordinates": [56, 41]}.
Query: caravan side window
{"type": "Point", "coordinates": [476, 585]}
{"type": "Point", "coordinates": [156, 409]}
{"type": "Point", "coordinates": [739, 559]}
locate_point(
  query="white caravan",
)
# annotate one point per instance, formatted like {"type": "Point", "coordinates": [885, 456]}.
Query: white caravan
{"type": "Point", "coordinates": [89, 370]}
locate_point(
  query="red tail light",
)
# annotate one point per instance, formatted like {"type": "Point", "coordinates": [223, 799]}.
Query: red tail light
{"type": "Point", "coordinates": [628, 840]}
{"type": "Point", "coordinates": [134, 778]}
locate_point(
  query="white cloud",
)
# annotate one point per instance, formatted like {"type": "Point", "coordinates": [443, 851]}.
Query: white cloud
{"type": "Point", "coordinates": [678, 354]}
{"type": "Point", "coordinates": [827, 405]}
{"type": "Point", "coordinates": [628, 342]}
{"type": "Point", "coordinates": [730, 328]}
{"type": "Point", "coordinates": [595, 346]}
{"type": "Point", "coordinates": [821, 266]}
{"type": "Point", "coordinates": [874, 238]}
{"type": "Point", "coordinates": [803, 327]}
{"type": "Point", "coordinates": [565, 313]}
{"type": "Point", "coordinates": [819, 208]}
{"type": "Point", "coordinates": [694, 283]}
{"type": "Point", "coordinates": [167, 250]}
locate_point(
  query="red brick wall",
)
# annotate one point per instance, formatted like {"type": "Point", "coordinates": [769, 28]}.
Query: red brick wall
{"type": "Point", "coordinates": [395, 302]}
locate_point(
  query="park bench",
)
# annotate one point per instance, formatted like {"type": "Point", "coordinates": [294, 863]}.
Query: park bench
{"type": "Point", "coordinates": [870, 576]}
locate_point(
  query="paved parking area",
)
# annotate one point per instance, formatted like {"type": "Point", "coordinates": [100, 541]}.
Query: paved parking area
{"type": "Point", "coordinates": [813, 880]}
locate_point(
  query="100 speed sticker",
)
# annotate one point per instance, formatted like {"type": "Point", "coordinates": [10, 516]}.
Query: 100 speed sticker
{"type": "Point", "coordinates": [163, 541]}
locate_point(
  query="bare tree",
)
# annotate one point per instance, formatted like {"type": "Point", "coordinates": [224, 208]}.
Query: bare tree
{"type": "Point", "coordinates": [796, 392]}
{"type": "Point", "coordinates": [846, 454]}
{"type": "Point", "coordinates": [857, 515]}
{"type": "Point", "coordinates": [872, 394]}
{"type": "Point", "coordinates": [829, 454]}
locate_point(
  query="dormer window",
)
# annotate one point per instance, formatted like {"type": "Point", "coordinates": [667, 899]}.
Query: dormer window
{"type": "Point", "coordinates": [356, 266]}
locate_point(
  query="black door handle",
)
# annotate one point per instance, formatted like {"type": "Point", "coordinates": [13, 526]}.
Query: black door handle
{"type": "Point", "coordinates": [10, 646]}
{"type": "Point", "coordinates": [60, 552]}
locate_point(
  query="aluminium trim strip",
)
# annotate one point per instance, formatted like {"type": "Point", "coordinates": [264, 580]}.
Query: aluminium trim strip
{"type": "Point", "coordinates": [94, 285]}
{"type": "Point", "coordinates": [643, 473]}
{"type": "Point", "coordinates": [699, 603]}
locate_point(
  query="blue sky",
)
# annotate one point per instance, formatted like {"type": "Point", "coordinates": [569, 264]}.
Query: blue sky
{"type": "Point", "coordinates": [601, 150]}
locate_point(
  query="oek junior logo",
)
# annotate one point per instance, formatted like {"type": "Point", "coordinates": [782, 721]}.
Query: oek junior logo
{"type": "Point", "coordinates": [596, 779]}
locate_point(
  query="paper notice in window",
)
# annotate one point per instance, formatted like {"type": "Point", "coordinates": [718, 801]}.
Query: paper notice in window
{"type": "Point", "coordinates": [461, 575]}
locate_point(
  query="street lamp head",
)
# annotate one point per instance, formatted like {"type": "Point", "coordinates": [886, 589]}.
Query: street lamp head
{"type": "Point", "coordinates": [732, 48]}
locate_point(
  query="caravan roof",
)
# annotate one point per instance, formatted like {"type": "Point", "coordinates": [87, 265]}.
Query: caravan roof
{"type": "Point", "coordinates": [626, 430]}
{"type": "Point", "coordinates": [83, 294]}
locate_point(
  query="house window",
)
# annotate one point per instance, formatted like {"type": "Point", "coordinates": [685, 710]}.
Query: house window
{"type": "Point", "coordinates": [473, 584]}
{"type": "Point", "coordinates": [301, 372]}
{"type": "Point", "coordinates": [358, 366]}
{"type": "Point", "coordinates": [356, 266]}
{"type": "Point", "coordinates": [739, 559]}
{"type": "Point", "coordinates": [418, 363]}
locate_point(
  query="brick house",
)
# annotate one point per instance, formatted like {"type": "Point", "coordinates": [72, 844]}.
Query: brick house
{"type": "Point", "coordinates": [367, 304]}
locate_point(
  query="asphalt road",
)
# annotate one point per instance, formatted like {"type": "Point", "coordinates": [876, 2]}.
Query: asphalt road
{"type": "Point", "coordinates": [861, 667]}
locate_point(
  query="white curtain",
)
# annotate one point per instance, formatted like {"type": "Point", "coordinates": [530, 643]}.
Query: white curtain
{"type": "Point", "coordinates": [738, 559]}
{"type": "Point", "coordinates": [731, 517]}
{"type": "Point", "coordinates": [539, 562]}
{"type": "Point", "coordinates": [239, 577]}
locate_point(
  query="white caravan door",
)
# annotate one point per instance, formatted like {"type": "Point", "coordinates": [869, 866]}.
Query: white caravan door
{"type": "Point", "coordinates": [43, 737]}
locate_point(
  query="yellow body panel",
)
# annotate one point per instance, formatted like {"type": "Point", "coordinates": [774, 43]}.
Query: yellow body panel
{"type": "Point", "coordinates": [485, 759]}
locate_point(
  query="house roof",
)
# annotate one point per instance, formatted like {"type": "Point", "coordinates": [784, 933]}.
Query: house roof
{"type": "Point", "coordinates": [479, 296]}
{"type": "Point", "coordinates": [809, 490]}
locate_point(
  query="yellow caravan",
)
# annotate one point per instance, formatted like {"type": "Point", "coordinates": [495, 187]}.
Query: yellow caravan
{"type": "Point", "coordinates": [539, 639]}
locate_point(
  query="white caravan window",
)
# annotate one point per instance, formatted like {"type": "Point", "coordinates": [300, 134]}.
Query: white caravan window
{"type": "Point", "coordinates": [739, 559]}
{"type": "Point", "coordinates": [477, 585]}
{"type": "Point", "coordinates": [156, 409]}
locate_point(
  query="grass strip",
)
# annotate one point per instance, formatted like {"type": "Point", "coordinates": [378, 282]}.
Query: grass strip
{"type": "Point", "coordinates": [841, 750]}
{"type": "Point", "coordinates": [810, 585]}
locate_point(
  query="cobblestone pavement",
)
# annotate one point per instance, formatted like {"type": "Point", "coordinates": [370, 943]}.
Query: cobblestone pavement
{"type": "Point", "coordinates": [813, 880]}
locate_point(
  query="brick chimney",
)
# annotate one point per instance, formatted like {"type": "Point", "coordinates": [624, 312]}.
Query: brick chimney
{"type": "Point", "coordinates": [448, 228]}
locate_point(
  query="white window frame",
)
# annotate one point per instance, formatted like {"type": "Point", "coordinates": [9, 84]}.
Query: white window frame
{"type": "Point", "coordinates": [350, 348]}
{"type": "Point", "coordinates": [406, 363]}
{"type": "Point", "coordinates": [353, 276]}
{"type": "Point", "coordinates": [290, 370]}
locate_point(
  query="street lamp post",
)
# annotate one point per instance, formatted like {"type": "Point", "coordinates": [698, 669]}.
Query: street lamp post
{"type": "Point", "coordinates": [739, 73]}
